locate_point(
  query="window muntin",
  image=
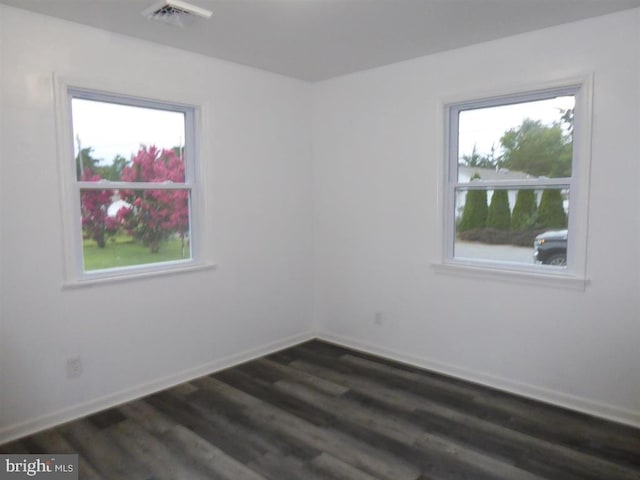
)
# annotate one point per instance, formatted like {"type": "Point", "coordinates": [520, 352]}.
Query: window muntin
{"type": "Point", "coordinates": [134, 181]}
{"type": "Point", "coordinates": [522, 147]}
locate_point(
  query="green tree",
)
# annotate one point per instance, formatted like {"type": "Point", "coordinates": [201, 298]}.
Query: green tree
{"type": "Point", "coordinates": [523, 216]}
{"type": "Point", "coordinates": [567, 118]}
{"type": "Point", "coordinates": [474, 214]}
{"type": "Point", "coordinates": [480, 161]}
{"type": "Point", "coordinates": [551, 212]}
{"type": "Point", "coordinates": [113, 171]}
{"type": "Point", "coordinates": [86, 163]}
{"type": "Point", "coordinates": [499, 213]}
{"type": "Point", "coordinates": [537, 149]}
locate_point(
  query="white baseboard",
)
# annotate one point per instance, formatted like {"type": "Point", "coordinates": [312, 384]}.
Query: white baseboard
{"type": "Point", "coordinates": [73, 412]}
{"type": "Point", "coordinates": [610, 412]}
{"type": "Point", "coordinates": [580, 404]}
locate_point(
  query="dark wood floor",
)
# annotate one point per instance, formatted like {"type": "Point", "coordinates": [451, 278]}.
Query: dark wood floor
{"type": "Point", "coordinates": [318, 411]}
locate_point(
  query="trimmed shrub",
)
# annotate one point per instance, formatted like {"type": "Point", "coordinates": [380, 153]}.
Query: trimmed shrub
{"type": "Point", "coordinates": [499, 213]}
{"type": "Point", "coordinates": [524, 216]}
{"type": "Point", "coordinates": [525, 238]}
{"type": "Point", "coordinates": [490, 236]}
{"type": "Point", "coordinates": [475, 210]}
{"type": "Point", "coordinates": [551, 213]}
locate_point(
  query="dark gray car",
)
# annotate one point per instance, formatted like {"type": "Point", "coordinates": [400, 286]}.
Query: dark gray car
{"type": "Point", "coordinates": [550, 248]}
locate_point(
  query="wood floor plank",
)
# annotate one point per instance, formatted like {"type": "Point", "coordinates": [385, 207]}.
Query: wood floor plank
{"type": "Point", "coordinates": [486, 434]}
{"type": "Point", "coordinates": [208, 455]}
{"type": "Point", "coordinates": [165, 464]}
{"type": "Point", "coordinates": [277, 467]}
{"type": "Point", "coordinates": [107, 457]}
{"type": "Point", "coordinates": [359, 454]}
{"type": "Point", "coordinates": [147, 416]}
{"type": "Point", "coordinates": [14, 448]}
{"type": "Point", "coordinates": [590, 435]}
{"type": "Point", "coordinates": [320, 384]}
{"type": "Point", "coordinates": [51, 441]}
{"type": "Point", "coordinates": [258, 388]}
{"type": "Point", "coordinates": [232, 430]}
{"type": "Point", "coordinates": [534, 417]}
{"type": "Point", "coordinates": [374, 431]}
{"type": "Point", "coordinates": [180, 438]}
{"type": "Point", "coordinates": [409, 434]}
{"type": "Point", "coordinates": [336, 468]}
{"type": "Point", "coordinates": [184, 389]}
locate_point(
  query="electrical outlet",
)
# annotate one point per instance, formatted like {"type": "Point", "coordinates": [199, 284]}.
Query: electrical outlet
{"type": "Point", "coordinates": [74, 367]}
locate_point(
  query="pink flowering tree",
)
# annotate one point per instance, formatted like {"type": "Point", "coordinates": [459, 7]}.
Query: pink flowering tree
{"type": "Point", "coordinates": [156, 214]}
{"type": "Point", "coordinates": [96, 224]}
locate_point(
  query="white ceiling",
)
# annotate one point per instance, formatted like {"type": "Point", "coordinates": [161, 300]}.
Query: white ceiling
{"type": "Point", "coordinates": [319, 39]}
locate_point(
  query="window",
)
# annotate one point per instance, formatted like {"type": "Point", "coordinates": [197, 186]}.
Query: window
{"type": "Point", "coordinates": [516, 174]}
{"type": "Point", "coordinates": [130, 169]}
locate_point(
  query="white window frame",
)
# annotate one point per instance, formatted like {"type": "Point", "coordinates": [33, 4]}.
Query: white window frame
{"type": "Point", "coordinates": [71, 186]}
{"type": "Point", "coordinates": [574, 275]}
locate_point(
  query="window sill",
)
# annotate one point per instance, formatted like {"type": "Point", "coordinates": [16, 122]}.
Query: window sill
{"type": "Point", "coordinates": [512, 275]}
{"type": "Point", "coordinates": [121, 275]}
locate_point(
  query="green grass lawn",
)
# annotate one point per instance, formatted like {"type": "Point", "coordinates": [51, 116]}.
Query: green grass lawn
{"type": "Point", "coordinates": [122, 251]}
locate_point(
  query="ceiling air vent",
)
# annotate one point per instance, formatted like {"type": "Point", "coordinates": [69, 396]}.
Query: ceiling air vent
{"type": "Point", "coordinates": [175, 12]}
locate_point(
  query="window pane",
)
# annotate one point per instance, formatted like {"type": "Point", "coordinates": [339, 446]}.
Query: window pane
{"type": "Point", "coordinates": [523, 226]}
{"type": "Point", "coordinates": [134, 227]}
{"type": "Point", "coordinates": [518, 141]}
{"type": "Point", "coordinates": [129, 143]}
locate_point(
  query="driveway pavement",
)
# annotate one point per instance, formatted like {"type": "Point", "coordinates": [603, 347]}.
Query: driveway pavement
{"type": "Point", "coordinates": [504, 253]}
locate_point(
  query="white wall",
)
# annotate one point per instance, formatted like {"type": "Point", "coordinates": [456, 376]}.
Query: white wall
{"type": "Point", "coordinates": [367, 215]}
{"type": "Point", "coordinates": [142, 335]}
{"type": "Point", "coordinates": [375, 138]}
